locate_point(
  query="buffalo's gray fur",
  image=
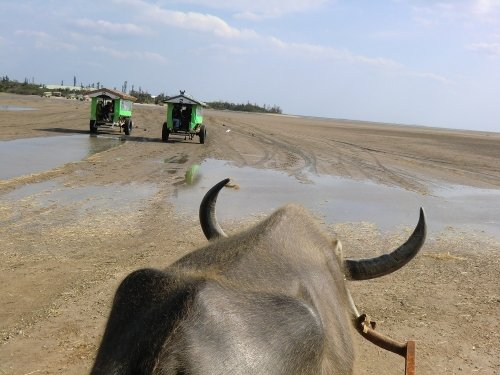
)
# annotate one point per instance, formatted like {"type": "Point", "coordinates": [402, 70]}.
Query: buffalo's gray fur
{"type": "Point", "coordinates": [270, 300]}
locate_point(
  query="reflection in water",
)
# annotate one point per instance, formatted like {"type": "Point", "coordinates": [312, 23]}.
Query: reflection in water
{"type": "Point", "coordinates": [339, 199]}
{"type": "Point", "coordinates": [192, 175]}
{"type": "Point", "coordinates": [101, 143]}
{"type": "Point", "coordinates": [34, 155]}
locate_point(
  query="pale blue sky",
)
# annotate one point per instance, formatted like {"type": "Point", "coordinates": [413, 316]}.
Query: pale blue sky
{"type": "Point", "coordinates": [433, 63]}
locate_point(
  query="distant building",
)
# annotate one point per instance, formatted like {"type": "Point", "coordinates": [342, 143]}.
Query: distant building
{"type": "Point", "coordinates": [63, 87]}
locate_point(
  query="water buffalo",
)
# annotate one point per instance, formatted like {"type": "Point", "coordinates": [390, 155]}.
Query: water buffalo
{"type": "Point", "coordinates": [269, 300]}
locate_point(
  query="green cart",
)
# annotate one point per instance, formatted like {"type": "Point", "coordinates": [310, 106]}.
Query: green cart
{"type": "Point", "coordinates": [110, 108]}
{"type": "Point", "coordinates": [184, 118]}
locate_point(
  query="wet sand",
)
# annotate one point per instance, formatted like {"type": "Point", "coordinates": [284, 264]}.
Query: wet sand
{"type": "Point", "coordinates": [77, 229]}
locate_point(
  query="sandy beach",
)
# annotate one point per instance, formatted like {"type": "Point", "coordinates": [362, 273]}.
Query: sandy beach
{"type": "Point", "coordinates": [71, 232]}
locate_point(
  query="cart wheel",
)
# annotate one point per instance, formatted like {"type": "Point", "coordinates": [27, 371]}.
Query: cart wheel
{"type": "Point", "coordinates": [127, 127]}
{"type": "Point", "coordinates": [93, 127]}
{"type": "Point", "coordinates": [202, 134]}
{"type": "Point", "coordinates": [165, 132]}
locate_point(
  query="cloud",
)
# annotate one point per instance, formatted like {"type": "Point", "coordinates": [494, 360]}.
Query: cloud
{"type": "Point", "coordinates": [260, 9]}
{"type": "Point", "coordinates": [431, 76]}
{"type": "Point", "coordinates": [32, 34]}
{"type": "Point", "coordinates": [312, 51]}
{"type": "Point", "coordinates": [44, 40]}
{"type": "Point", "coordinates": [434, 14]}
{"type": "Point", "coordinates": [224, 49]}
{"type": "Point", "coordinates": [457, 11]}
{"type": "Point", "coordinates": [127, 54]}
{"type": "Point", "coordinates": [204, 23]}
{"type": "Point", "coordinates": [193, 21]}
{"type": "Point", "coordinates": [492, 49]}
{"type": "Point", "coordinates": [486, 6]}
{"type": "Point", "coordinates": [315, 51]}
{"type": "Point", "coordinates": [81, 38]}
{"type": "Point", "coordinates": [207, 23]}
{"type": "Point", "coordinates": [106, 27]}
{"type": "Point", "coordinates": [388, 35]}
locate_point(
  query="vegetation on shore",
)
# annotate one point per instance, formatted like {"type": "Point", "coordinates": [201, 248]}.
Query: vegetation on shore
{"type": "Point", "coordinates": [245, 107]}
{"type": "Point", "coordinates": [26, 88]}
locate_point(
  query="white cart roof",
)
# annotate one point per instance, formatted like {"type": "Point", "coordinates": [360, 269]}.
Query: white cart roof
{"type": "Point", "coordinates": [113, 94]}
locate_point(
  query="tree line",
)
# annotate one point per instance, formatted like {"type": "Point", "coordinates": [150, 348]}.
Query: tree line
{"type": "Point", "coordinates": [248, 107]}
{"type": "Point", "coordinates": [31, 88]}
{"type": "Point", "coordinates": [23, 88]}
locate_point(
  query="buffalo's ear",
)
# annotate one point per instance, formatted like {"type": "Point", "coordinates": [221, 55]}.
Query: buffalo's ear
{"type": "Point", "coordinates": [337, 249]}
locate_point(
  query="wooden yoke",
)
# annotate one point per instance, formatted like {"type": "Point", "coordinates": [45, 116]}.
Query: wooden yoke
{"type": "Point", "coordinates": [407, 350]}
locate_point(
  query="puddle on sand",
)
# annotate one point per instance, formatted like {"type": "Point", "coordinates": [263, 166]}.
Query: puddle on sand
{"type": "Point", "coordinates": [15, 108]}
{"type": "Point", "coordinates": [83, 199]}
{"type": "Point", "coordinates": [339, 199]}
{"type": "Point", "coordinates": [32, 155]}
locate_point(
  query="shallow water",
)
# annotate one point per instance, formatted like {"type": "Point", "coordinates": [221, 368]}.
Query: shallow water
{"type": "Point", "coordinates": [15, 108]}
{"type": "Point", "coordinates": [32, 155]}
{"type": "Point", "coordinates": [84, 199]}
{"type": "Point", "coordinates": [338, 199]}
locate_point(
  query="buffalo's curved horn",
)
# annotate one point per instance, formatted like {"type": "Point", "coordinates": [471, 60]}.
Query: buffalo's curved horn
{"type": "Point", "coordinates": [363, 269]}
{"type": "Point", "coordinates": [208, 221]}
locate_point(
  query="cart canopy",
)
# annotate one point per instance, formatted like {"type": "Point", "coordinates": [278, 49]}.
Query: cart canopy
{"type": "Point", "coordinates": [113, 94]}
{"type": "Point", "coordinates": [184, 99]}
